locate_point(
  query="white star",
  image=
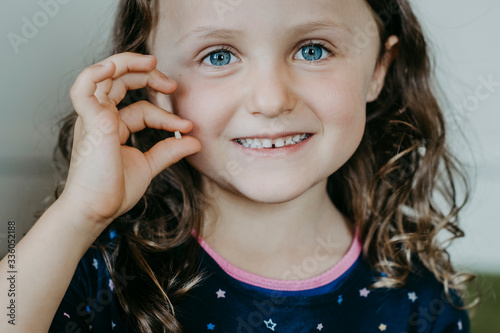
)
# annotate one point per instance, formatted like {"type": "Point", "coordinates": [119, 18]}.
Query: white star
{"type": "Point", "coordinates": [221, 293]}
{"type": "Point", "coordinates": [412, 296]}
{"type": "Point", "coordinates": [364, 292]}
{"type": "Point", "coordinates": [382, 327]}
{"type": "Point", "coordinates": [111, 285]}
{"type": "Point", "coordinates": [112, 325]}
{"type": "Point", "coordinates": [270, 324]}
{"type": "Point", "coordinates": [94, 263]}
{"type": "Point", "coordinates": [320, 327]}
{"type": "Point", "coordinates": [459, 325]}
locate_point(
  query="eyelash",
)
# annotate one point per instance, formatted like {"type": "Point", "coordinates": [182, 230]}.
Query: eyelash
{"type": "Point", "coordinates": [222, 48]}
{"type": "Point", "coordinates": [309, 43]}
{"type": "Point", "coordinates": [315, 43]}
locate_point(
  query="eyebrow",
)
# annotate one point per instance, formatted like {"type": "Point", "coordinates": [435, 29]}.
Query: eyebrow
{"type": "Point", "coordinates": [203, 32]}
{"type": "Point", "coordinates": [320, 25]}
{"type": "Point", "coordinates": [209, 32]}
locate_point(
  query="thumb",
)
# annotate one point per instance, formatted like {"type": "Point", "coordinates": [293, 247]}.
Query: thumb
{"type": "Point", "coordinates": [170, 151]}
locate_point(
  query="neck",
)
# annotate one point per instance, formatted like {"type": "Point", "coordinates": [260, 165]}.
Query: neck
{"type": "Point", "coordinates": [266, 238]}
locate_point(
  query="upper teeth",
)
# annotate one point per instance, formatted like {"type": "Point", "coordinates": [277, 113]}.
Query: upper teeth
{"type": "Point", "coordinates": [270, 143]}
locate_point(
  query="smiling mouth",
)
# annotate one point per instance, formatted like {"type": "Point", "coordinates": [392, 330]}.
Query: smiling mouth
{"type": "Point", "coordinates": [273, 143]}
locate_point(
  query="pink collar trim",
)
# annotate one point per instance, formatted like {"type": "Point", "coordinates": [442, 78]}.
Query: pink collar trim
{"type": "Point", "coordinates": [289, 285]}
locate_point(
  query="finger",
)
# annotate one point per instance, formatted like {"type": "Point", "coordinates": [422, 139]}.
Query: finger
{"type": "Point", "coordinates": [170, 151]}
{"type": "Point", "coordinates": [132, 81]}
{"type": "Point", "coordinates": [102, 91]}
{"type": "Point", "coordinates": [82, 92]}
{"type": "Point", "coordinates": [140, 115]}
{"type": "Point", "coordinates": [131, 62]}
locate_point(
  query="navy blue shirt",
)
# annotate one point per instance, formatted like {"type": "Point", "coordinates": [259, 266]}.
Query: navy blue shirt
{"type": "Point", "coordinates": [223, 303]}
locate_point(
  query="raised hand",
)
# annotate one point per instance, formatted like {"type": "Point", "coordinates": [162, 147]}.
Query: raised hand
{"type": "Point", "coordinates": [107, 178]}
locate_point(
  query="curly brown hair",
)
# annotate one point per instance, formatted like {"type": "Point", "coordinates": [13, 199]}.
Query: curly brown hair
{"type": "Point", "coordinates": [400, 187]}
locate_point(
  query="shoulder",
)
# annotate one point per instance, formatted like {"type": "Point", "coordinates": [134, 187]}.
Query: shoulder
{"type": "Point", "coordinates": [420, 305]}
{"type": "Point", "coordinates": [437, 311]}
{"type": "Point", "coordinates": [93, 263]}
{"type": "Point", "coordinates": [90, 299]}
{"type": "Point", "coordinates": [90, 277]}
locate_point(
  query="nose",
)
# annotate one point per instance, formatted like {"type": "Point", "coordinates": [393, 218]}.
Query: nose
{"type": "Point", "coordinates": [270, 90]}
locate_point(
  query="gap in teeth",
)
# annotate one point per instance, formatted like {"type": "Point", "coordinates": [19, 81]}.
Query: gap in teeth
{"type": "Point", "coordinates": [269, 143]}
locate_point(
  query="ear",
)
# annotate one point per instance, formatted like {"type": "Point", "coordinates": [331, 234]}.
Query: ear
{"type": "Point", "coordinates": [391, 51]}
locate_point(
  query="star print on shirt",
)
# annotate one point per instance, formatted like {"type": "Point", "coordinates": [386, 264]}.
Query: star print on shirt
{"type": "Point", "coordinates": [95, 263]}
{"type": "Point", "coordinates": [320, 327]}
{"type": "Point", "coordinates": [221, 293]}
{"type": "Point", "coordinates": [459, 324]}
{"type": "Point", "coordinates": [113, 325]}
{"type": "Point", "coordinates": [211, 327]}
{"type": "Point", "coordinates": [412, 296]}
{"type": "Point", "coordinates": [111, 285]}
{"type": "Point", "coordinates": [340, 299]}
{"type": "Point", "coordinates": [364, 292]}
{"type": "Point", "coordinates": [382, 327]}
{"type": "Point", "coordinates": [270, 324]}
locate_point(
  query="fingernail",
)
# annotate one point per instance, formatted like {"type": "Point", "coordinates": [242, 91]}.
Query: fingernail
{"type": "Point", "coordinates": [178, 135]}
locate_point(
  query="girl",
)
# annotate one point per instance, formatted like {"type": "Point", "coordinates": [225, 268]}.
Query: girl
{"type": "Point", "coordinates": [308, 196]}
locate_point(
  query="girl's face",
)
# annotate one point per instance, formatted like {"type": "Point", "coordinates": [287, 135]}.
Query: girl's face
{"type": "Point", "coordinates": [272, 71]}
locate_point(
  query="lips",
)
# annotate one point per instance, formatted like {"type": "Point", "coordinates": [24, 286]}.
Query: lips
{"type": "Point", "coordinates": [262, 142]}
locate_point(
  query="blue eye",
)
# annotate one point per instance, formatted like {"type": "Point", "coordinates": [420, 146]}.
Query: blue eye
{"type": "Point", "coordinates": [312, 52]}
{"type": "Point", "coordinates": [219, 58]}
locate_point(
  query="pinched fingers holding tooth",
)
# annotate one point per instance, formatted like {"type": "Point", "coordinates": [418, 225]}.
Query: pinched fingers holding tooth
{"type": "Point", "coordinates": [170, 151]}
{"type": "Point", "coordinates": [140, 115]}
{"type": "Point", "coordinates": [102, 86]}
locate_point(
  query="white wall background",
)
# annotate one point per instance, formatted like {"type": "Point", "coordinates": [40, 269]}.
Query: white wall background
{"type": "Point", "coordinates": [464, 39]}
{"type": "Point", "coordinates": [34, 85]}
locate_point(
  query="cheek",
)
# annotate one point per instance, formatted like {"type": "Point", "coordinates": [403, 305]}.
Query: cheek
{"type": "Point", "coordinates": [210, 106]}
{"type": "Point", "coordinates": [338, 100]}
{"type": "Point", "coordinates": [340, 105]}
{"type": "Point", "coordinates": [203, 103]}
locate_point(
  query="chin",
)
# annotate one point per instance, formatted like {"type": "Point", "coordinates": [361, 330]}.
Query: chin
{"type": "Point", "coordinates": [272, 186]}
{"type": "Point", "coordinates": [268, 192]}
{"type": "Point", "coordinates": [266, 197]}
